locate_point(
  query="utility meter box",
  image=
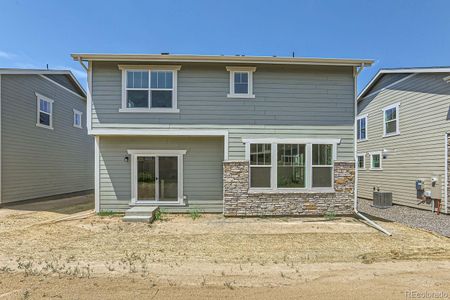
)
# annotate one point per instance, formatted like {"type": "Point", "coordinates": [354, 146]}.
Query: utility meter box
{"type": "Point", "coordinates": [436, 187]}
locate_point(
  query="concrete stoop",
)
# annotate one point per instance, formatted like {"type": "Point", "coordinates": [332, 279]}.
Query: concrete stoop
{"type": "Point", "coordinates": [140, 214]}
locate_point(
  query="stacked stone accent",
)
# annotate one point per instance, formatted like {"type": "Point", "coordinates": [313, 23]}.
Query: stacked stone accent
{"type": "Point", "coordinates": [238, 201]}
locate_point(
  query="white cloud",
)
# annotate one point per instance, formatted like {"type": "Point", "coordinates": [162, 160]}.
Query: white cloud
{"type": "Point", "coordinates": [6, 55]}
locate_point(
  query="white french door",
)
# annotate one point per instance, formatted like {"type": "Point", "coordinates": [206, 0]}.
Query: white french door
{"type": "Point", "coordinates": [157, 176]}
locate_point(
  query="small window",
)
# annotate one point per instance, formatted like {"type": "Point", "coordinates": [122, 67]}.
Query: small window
{"type": "Point", "coordinates": [77, 118]}
{"type": "Point", "coordinates": [322, 165]}
{"type": "Point", "coordinates": [44, 112]}
{"type": "Point", "coordinates": [375, 161]}
{"type": "Point", "coordinates": [361, 161]}
{"type": "Point", "coordinates": [152, 89]}
{"type": "Point", "coordinates": [391, 120]}
{"type": "Point", "coordinates": [260, 165]}
{"type": "Point", "coordinates": [241, 82]}
{"type": "Point", "coordinates": [361, 124]}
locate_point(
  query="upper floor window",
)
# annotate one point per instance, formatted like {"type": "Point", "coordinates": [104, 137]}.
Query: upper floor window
{"type": "Point", "coordinates": [77, 115]}
{"type": "Point", "coordinates": [361, 123]}
{"type": "Point", "coordinates": [391, 120]}
{"type": "Point", "coordinates": [241, 82]}
{"type": "Point", "coordinates": [44, 111]}
{"type": "Point", "coordinates": [150, 89]}
{"type": "Point", "coordinates": [291, 166]}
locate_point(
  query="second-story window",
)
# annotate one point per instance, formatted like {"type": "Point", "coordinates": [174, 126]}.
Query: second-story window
{"type": "Point", "coordinates": [391, 120]}
{"type": "Point", "coordinates": [152, 90]}
{"type": "Point", "coordinates": [44, 112]}
{"type": "Point", "coordinates": [241, 82]}
{"type": "Point", "coordinates": [361, 124]}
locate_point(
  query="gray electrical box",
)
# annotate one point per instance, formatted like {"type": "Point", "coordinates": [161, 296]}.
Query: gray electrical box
{"type": "Point", "coordinates": [382, 199]}
{"type": "Point", "coordinates": [436, 187]}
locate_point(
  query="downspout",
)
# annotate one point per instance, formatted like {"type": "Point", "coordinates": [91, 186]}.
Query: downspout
{"type": "Point", "coordinates": [446, 174]}
{"type": "Point", "coordinates": [355, 151]}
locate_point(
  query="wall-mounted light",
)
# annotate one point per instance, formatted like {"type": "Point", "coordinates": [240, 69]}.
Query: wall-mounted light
{"type": "Point", "coordinates": [126, 158]}
{"type": "Point", "coordinates": [385, 153]}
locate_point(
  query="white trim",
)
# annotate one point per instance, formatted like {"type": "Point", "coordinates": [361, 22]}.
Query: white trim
{"type": "Point", "coordinates": [149, 110]}
{"type": "Point", "coordinates": [222, 59]}
{"type": "Point", "coordinates": [159, 132]}
{"type": "Point", "coordinates": [363, 155]}
{"type": "Point", "coordinates": [63, 87]}
{"type": "Point", "coordinates": [397, 119]}
{"type": "Point", "coordinates": [291, 141]}
{"type": "Point", "coordinates": [447, 79]}
{"type": "Point", "coordinates": [150, 68]}
{"type": "Point", "coordinates": [380, 153]}
{"type": "Point", "coordinates": [157, 152]}
{"type": "Point", "coordinates": [77, 112]}
{"type": "Point", "coordinates": [179, 154]}
{"type": "Point", "coordinates": [249, 71]}
{"type": "Point", "coordinates": [97, 173]}
{"type": "Point", "coordinates": [89, 99]}
{"type": "Point", "coordinates": [274, 166]}
{"type": "Point", "coordinates": [365, 116]}
{"type": "Point", "coordinates": [446, 174]}
{"type": "Point", "coordinates": [38, 111]}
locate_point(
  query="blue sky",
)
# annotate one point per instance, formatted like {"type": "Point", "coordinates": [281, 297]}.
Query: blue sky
{"type": "Point", "coordinates": [395, 33]}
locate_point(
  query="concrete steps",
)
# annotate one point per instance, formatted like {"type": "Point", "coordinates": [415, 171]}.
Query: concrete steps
{"type": "Point", "coordinates": [140, 214]}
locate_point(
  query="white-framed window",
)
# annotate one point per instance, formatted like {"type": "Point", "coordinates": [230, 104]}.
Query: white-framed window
{"type": "Point", "coordinates": [44, 111]}
{"type": "Point", "coordinates": [241, 82]}
{"type": "Point", "coordinates": [376, 160]}
{"type": "Point", "coordinates": [361, 126]}
{"type": "Point", "coordinates": [77, 118]}
{"type": "Point", "coordinates": [391, 117]}
{"type": "Point", "coordinates": [362, 161]}
{"type": "Point", "coordinates": [149, 88]}
{"type": "Point", "coordinates": [157, 176]}
{"type": "Point", "coordinates": [295, 165]}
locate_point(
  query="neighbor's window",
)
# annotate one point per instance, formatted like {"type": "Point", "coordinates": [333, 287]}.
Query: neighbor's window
{"type": "Point", "coordinates": [241, 82]}
{"type": "Point", "coordinates": [44, 112]}
{"type": "Point", "coordinates": [149, 90]}
{"type": "Point", "coordinates": [291, 168]}
{"type": "Point", "coordinates": [391, 120]}
{"type": "Point", "coordinates": [361, 161]}
{"type": "Point", "coordinates": [375, 161]}
{"type": "Point", "coordinates": [77, 115]}
{"type": "Point", "coordinates": [322, 165]}
{"type": "Point", "coordinates": [260, 165]}
{"type": "Point", "coordinates": [361, 123]}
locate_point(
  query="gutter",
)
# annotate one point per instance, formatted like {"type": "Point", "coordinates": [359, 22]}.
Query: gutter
{"type": "Point", "coordinates": [355, 151]}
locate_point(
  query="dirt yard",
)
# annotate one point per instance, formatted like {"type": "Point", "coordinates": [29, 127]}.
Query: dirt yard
{"type": "Point", "coordinates": [62, 253]}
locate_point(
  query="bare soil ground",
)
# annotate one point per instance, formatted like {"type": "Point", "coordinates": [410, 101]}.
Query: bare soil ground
{"type": "Point", "coordinates": [44, 255]}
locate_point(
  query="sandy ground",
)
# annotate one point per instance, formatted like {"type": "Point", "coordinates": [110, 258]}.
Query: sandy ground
{"type": "Point", "coordinates": [44, 255]}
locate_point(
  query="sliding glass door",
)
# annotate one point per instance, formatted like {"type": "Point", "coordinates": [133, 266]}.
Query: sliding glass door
{"type": "Point", "coordinates": [157, 178]}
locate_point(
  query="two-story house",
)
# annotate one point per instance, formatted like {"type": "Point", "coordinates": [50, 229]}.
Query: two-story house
{"type": "Point", "coordinates": [403, 126]}
{"type": "Point", "coordinates": [241, 135]}
{"type": "Point", "coordinates": [45, 150]}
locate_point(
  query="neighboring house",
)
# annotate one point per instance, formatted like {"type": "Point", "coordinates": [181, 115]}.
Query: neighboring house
{"type": "Point", "coordinates": [234, 134]}
{"type": "Point", "coordinates": [403, 125]}
{"type": "Point", "coordinates": [45, 149]}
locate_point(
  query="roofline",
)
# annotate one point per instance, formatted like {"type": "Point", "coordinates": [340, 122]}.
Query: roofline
{"type": "Point", "coordinates": [12, 71]}
{"type": "Point", "coordinates": [401, 71]}
{"type": "Point", "coordinates": [222, 59]}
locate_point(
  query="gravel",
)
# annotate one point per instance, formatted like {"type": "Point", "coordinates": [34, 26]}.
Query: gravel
{"type": "Point", "coordinates": [413, 217]}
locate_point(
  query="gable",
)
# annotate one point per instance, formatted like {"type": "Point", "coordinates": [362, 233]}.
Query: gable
{"type": "Point", "coordinates": [386, 80]}
{"type": "Point", "coordinates": [66, 81]}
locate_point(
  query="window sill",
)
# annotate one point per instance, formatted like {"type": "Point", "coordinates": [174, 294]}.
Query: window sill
{"type": "Point", "coordinates": [79, 127]}
{"type": "Point", "coordinates": [391, 134]}
{"type": "Point", "coordinates": [244, 96]}
{"type": "Point", "coordinates": [149, 110]}
{"type": "Point", "coordinates": [291, 191]}
{"type": "Point", "coordinates": [364, 140]}
{"type": "Point", "coordinates": [379, 169]}
{"type": "Point", "coordinates": [44, 126]}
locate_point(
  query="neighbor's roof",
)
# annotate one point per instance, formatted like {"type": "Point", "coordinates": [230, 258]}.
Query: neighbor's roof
{"type": "Point", "coordinates": [415, 70]}
{"type": "Point", "coordinates": [222, 59]}
{"type": "Point", "coordinates": [48, 73]}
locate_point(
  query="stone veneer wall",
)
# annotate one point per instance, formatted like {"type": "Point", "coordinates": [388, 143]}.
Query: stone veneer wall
{"type": "Point", "coordinates": [238, 201]}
